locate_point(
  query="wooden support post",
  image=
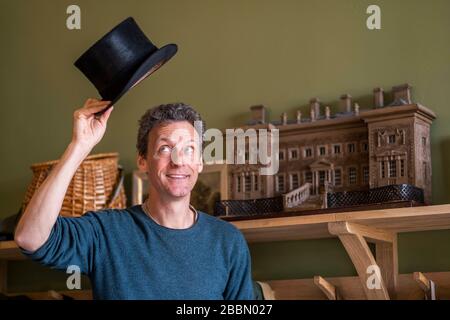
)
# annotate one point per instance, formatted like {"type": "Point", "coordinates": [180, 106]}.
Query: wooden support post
{"type": "Point", "coordinates": [54, 295]}
{"type": "Point", "coordinates": [3, 277]}
{"type": "Point", "coordinates": [327, 288]}
{"type": "Point", "coordinates": [353, 237]}
{"type": "Point", "coordinates": [387, 260]}
{"type": "Point", "coordinates": [422, 281]}
{"type": "Point", "coordinates": [427, 285]}
{"type": "Point", "coordinates": [267, 291]}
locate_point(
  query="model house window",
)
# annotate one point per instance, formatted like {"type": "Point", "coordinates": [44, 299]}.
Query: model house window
{"type": "Point", "coordinates": [280, 183]}
{"type": "Point", "coordinates": [352, 175]}
{"type": "Point", "coordinates": [382, 169]}
{"type": "Point", "coordinates": [337, 149]}
{"type": "Point", "coordinates": [424, 141]}
{"type": "Point", "coordinates": [248, 183]}
{"type": "Point", "coordinates": [365, 147]}
{"type": "Point", "coordinates": [392, 169]}
{"type": "Point", "coordinates": [321, 178]}
{"type": "Point", "coordinates": [281, 155]}
{"type": "Point", "coordinates": [351, 147]}
{"type": "Point", "coordinates": [392, 139]}
{"type": "Point", "coordinates": [293, 154]}
{"type": "Point", "coordinates": [308, 152]}
{"type": "Point", "coordinates": [308, 176]}
{"type": "Point", "coordinates": [246, 156]}
{"type": "Point", "coordinates": [337, 177]}
{"type": "Point", "coordinates": [402, 168]}
{"type": "Point", "coordinates": [322, 151]}
{"type": "Point", "coordinates": [294, 181]}
{"type": "Point", "coordinates": [255, 182]}
{"type": "Point", "coordinates": [365, 175]}
{"type": "Point", "coordinates": [238, 184]}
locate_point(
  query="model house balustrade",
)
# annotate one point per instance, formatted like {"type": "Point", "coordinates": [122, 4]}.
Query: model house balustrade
{"type": "Point", "coordinates": [297, 196]}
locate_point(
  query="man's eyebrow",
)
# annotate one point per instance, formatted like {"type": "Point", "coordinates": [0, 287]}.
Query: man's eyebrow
{"type": "Point", "coordinates": [165, 139]}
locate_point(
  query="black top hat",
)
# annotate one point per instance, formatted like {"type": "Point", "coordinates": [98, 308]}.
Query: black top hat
{"type": "Point", "coordinates": [121, 59]}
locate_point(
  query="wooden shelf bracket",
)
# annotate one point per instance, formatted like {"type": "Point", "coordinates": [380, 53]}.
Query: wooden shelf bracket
{"type": "Point", "coordinates": [428, 286]}
{"type": "Point", "coordinates": [327, 288]}
{"type": "Point", "coordinates": [378, 275]}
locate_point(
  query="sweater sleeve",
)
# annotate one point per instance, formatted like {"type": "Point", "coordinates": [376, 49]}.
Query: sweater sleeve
{"type": "Point", "coordinates": [72, 241]}
{"type": "Point", "coordinates": [240, 285]}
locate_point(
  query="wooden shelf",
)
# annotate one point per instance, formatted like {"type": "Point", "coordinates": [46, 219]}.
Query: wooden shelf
{"type": "Point", "coordinates": [10, 251]}
{"type": "Point", "coordinates": [316, 226]}
{"type": "Point", "coordinates": [354, 230]}
{"type": "Point", "coordinates": [350, 288]}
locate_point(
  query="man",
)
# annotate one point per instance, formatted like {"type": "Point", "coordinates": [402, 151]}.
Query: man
{"type": "Point", "coordinates": [163, 249]}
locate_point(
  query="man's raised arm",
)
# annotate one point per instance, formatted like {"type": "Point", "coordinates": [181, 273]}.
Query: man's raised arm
{"type": "Point", "coordinates": [42, 211]}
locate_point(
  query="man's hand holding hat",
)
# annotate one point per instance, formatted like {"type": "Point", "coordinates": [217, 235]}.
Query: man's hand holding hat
{"type": "Point", "coordinates": [88, 129]}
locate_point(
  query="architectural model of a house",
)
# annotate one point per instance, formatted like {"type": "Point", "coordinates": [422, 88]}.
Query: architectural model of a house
{"type": "Point", "coordinates": [353, 149]}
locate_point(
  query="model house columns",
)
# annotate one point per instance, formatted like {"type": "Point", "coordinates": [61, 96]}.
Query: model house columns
{"type": "Point", "coordinates": [322, 173]}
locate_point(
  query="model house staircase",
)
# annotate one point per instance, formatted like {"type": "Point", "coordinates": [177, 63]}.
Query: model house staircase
{"type": "Point", "coordinates": [297, 196]}
{"type": "Point", "coordinates": [314, 202]}
{"type": "Point", "coordinates": [302, 199]}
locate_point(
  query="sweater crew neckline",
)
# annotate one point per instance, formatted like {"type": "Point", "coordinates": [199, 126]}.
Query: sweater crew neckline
{"type": "Point", "coordinates": [191, 228]}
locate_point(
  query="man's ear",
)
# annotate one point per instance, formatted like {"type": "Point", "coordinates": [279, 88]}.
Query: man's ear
{"type": "Point", "coordinates": [200, 165]}
{"type": "Point", "coordinates": [142, 163]}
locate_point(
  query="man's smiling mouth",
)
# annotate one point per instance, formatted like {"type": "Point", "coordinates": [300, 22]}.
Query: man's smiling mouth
{"type": "Point", "coordinates": [177, 176]}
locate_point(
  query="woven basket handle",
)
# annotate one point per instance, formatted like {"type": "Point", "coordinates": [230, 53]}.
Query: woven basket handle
{"type": "Point", "coordinates": [117, 188]}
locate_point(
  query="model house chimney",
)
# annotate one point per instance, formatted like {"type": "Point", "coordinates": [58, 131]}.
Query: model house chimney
{"type": "Point", "coordinates": [356, 110]}
{"type": "Point", "coordinates": [299, 116]}
{"type": "Point", "coordinates": [312, 114]}
{"type": "Point", "coordinates": [327, 112]}
{"type": "Point", "coordinates": [284, 118]}
{"type": "Point", "coordinates": [314, 104]}
{"type": "Point", "coordinates": [258, 113]}
{"type": "Point", "coordinates": [402, 92]}
{"type": "Point", "coordinates": [378, 97]}
{"type": "Point", "coordinates": [346, 102]}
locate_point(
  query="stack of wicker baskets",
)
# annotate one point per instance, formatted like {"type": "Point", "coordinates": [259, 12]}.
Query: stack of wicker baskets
{"type": "Point", "coordinates": [97, 184]}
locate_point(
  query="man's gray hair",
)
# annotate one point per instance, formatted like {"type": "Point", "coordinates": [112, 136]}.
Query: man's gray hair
{"type": "Point", "coordinates": [166, 113]}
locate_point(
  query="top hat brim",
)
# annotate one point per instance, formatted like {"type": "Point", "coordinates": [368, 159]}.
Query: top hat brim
{"type": "Point", "coordinates": [162, 55]}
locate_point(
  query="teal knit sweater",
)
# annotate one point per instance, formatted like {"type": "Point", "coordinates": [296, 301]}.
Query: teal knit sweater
{"type": "Point", "coordinates": [127, 255]}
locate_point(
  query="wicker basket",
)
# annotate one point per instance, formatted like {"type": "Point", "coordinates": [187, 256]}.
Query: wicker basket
{"type": "Point", "coordinates": [97, 184]}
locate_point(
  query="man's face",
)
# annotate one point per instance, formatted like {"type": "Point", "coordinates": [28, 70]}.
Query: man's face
{"type": "Point", "coordinates": [173, 159]}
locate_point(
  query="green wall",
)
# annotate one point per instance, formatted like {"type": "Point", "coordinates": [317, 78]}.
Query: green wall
{"type": "Point", "coordinates": [232, 54]}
